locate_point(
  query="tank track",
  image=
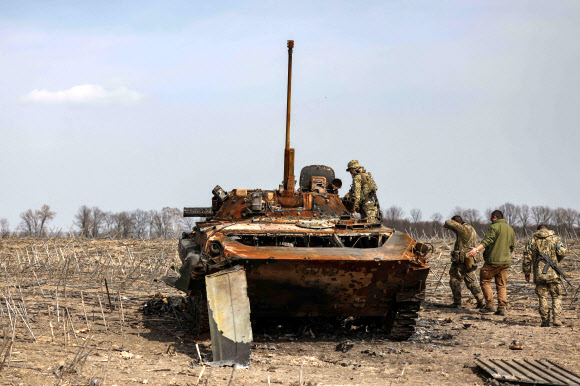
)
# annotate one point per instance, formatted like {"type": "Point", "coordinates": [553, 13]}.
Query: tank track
{"type": "Point", "coordinates": [401, 320]}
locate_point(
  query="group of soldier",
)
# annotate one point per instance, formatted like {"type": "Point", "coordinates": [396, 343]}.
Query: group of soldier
{"type": "Point", "coordinates": [541, 254]}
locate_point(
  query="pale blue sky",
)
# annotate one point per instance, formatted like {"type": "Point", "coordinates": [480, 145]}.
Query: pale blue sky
{"type": "Point", "coordinates": [446, 103]}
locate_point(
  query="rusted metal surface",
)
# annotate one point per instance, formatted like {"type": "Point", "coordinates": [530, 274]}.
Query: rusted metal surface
{"type": "Point", "coordinates": [289, 180]}
{"type": "Point", "coordinates": [334, 281]}
{"type": "Point", "coordinates": [540, 372]}
{"type": "Point", "coordinates": [303, 251]}
{"type": "Point", "coordinates": [197, 212]}
{"type": "Point", "coordinates": [229, 317]}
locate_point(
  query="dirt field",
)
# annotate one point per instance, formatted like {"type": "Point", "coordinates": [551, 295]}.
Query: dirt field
{"type": "Point", "coordinates": [60, 325]}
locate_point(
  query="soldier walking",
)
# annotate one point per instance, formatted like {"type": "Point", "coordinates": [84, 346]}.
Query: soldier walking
{"type": "Point", "coordinates": [463, 267]}
{"type": "Point", "coordinates": [499, 244]}
{"type": "Point", "coordinates": [362, 196]}
{"type": "Point", "coordinates": [546, 279]}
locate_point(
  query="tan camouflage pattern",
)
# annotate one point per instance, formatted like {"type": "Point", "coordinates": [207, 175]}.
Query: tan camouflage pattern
{"type": "Point", "coordinates": [370, 212]}
{"type": "Point", "coordinates": [364, 201]}
{"type": "Point", "coordinates": [548, 242]}
{"type": "Point", "coordinates": [550, 283]}
{"type": "Point", "coordinates": [353, 165]}
{"type": "Point", "coordinates": [553, 289]}
{"type": "Point", "coordinates": [466, 238]}
{"type": "Point", "coordinates": [459, 273]}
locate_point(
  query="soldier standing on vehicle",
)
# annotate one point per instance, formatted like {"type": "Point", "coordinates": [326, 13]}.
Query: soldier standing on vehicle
{"type": "Point", "coordinates": [463, 267]}
{"type": "Point", "coordinates": [499, 244]}
{"type": "Point", "coordinates": [546, 279]}
{"type": "Point", "coordinates": [362, 196]}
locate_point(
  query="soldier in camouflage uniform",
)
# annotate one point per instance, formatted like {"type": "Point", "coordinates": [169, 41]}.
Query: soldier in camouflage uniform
{"type": "Point", "coordinates": [362, 194]}
{"type": "Point", "coordinates": [549, 283]}
{"type": "Point", "coordinates": [463, 267]}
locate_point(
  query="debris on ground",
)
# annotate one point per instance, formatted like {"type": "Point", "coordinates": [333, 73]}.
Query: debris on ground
{"type": "Point", "coordinates": [344, 346]}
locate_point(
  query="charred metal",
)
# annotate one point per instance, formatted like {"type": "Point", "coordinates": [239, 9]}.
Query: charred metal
{"type": "Point", "coordinates": [303, 253]}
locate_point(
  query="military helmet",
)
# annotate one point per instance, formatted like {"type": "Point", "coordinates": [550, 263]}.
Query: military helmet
{"type": "Point", "coordinates": [353, 165]}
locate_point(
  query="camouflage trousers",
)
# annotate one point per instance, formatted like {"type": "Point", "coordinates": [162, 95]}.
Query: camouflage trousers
{"type": "Point", "coordinates": [458, 273]}
{"type": "Point", "coordinates": [370, 212]}
{"type": "Point", "coordinates": [543, 290]}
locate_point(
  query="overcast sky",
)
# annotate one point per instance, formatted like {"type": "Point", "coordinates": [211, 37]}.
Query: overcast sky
{"type": "Point", "coordinates": [146, 104]}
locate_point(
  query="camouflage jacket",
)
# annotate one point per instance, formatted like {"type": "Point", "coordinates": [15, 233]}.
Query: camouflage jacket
{"type": "Point", "coordinates": [549, 244]}
{"type": "Point", "coordinates": [360, 192]}
{"type": "Point", "coordinates": [466, 238]}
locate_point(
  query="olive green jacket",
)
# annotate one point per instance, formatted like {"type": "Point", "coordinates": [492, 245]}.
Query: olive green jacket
{"type": "Point", "coordinates": [499, 243]}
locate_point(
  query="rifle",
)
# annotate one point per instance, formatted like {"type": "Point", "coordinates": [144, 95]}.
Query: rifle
{"type": "Point", "coordinates": [549, 263]}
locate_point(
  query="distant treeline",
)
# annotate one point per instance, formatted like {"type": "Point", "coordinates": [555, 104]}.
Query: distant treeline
{"type": "Point", "coordinates": [169, 222]}
{"type": "Point", "coordinates": [523, 218]}
{"type": "Point", "coordinates": [94, 222]}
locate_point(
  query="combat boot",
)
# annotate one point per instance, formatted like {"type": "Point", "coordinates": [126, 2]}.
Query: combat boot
{"type": "Point", "coordinates": [545, 323]}
{"type": "Point", "coordinates": [480, 303]}
{"type": "Point", "coordinates": [557, 322]}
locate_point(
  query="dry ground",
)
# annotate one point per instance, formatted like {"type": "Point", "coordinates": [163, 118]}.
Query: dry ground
{"type": "Point", "coordinates": [58, 327]}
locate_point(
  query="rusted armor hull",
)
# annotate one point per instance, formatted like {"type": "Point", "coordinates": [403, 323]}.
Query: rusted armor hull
{"type": "Point", "coordinates": [331, 287]}
{"type": "Point", "coordinates": [337, 281]}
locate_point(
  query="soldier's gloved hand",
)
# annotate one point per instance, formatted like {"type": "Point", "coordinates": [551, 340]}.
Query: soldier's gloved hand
{"type": "Point", "coordinates": [527, 278]}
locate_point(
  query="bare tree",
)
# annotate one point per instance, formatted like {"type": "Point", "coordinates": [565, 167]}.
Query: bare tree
{"type": "Point", "coordinates": [416, 215]}
{"type": "Point", "coordinates": [109, 223]}
{"type": "Point", "coordinates": [394, 213]}
{"type": "Point", "coordinates": [457, 211]}
{"type": "Point", "coordinates": [187, 224]}
{"type": "Point", "coordinates": [29, 223]}
{"type": "Point", "coordinates": [123, 224]}
{"type": "Point", "coordinates": [471, 216]}
{"type": "Point", "coordinates": [165, 223]}
{"type": "Point", "coordinates": [509, 213]}
{"type": "Point", "coordinates": [4, 228]}
{"type": "Point", "coordinates": [569, 217]}
{"type": "Point", "coordinates": [141, 220]}
{"type": "Point", "coordinates": [44, 216]}
{"type": "Point", "coordinates": [437, 217]}
{"type": "Point", "coordinates": [83, 220]}
{"type": "Point", "coordinates": [524, 215]}
{"type": "Point", "coordinates": [436, 223]}
{"type": "Point", "coordinates": [541, 214]}
{"type": "Point", "coordinates": [96, 221]}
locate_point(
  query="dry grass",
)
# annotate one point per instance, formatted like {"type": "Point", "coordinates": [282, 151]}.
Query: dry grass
{"type": "Point", "coordinates": [60, 324]}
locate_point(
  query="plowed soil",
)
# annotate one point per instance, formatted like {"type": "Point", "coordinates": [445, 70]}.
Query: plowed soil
{"type": "Point", "coordinates": [60, 325]}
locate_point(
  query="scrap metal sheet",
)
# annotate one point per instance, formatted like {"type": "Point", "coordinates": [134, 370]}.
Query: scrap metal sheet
{"type": "Point", "coordinates": [540, 372]}
{"type": "Point", "coordinates": [229, 317]}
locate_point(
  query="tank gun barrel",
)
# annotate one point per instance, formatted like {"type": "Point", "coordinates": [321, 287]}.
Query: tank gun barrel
{"type": "Point", "coordinates": [289, 180]}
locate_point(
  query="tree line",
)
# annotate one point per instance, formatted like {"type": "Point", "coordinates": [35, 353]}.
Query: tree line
{"type": "Point", "coordinates": [523, 218]}
{"type": "Point", "coordinates": [169, 222]}
{"type": "Point", "coordinates": [94, 222]}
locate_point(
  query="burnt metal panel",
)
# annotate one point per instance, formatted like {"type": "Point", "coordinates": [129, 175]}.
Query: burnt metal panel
{"type": "Point", "coordinates": [315, 170]}
{"type": "Point", "coordinates": [197, 212]}
{"type": "Point", "coordinates": [539, 372]}
{"type": "Point", "coordinates": [229, 317]}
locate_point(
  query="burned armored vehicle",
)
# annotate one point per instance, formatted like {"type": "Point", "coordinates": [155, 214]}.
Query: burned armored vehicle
{"type": "Point", "coordinates": [303, 252]}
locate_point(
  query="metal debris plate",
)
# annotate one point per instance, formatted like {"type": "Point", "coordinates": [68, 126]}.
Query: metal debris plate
{"type": "Point", "coordinates": [539, 372]}
{"type": "Point", "coordinates": [229, 317]}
